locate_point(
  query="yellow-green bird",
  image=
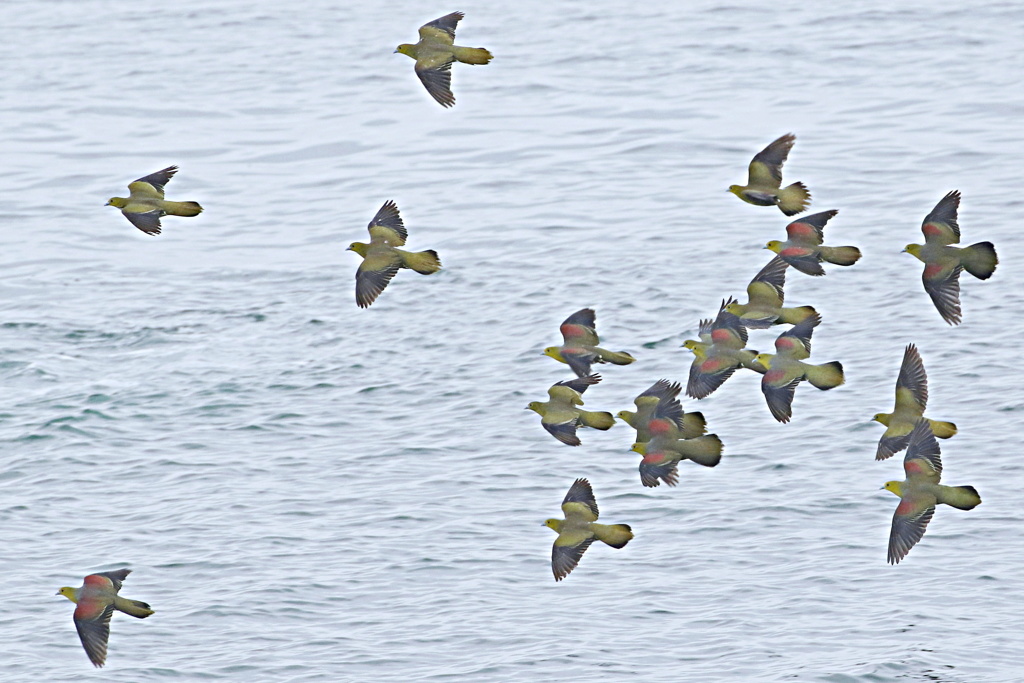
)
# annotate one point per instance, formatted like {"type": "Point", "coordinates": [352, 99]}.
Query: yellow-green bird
{"type": "Point", "coordinates": [381, 257]}
{"type": "Point", "coordinates": [560, 416]}
{"type": "Point", "coordinates": [911, 400]}
{"type": "Point", "coordinates": [921, 492]}
{"type": "Point", "coordinates": [786, 369]}
{"type": "Point", "coordinates": [667, 447]}
{"type": "Point", "coordinates": [97, 599]}
{"type": "Point", "coordinates": [764, 300]}
{"type": "Point", "coordinates": [691, 425]}
{"type": "Point", "coordinates": [580, 528]}
{"type": "Point", "coordinates": [436, 51]}
{"type": "Point", "coordinates": [719, 353]}
{"type": "Point", "coordinates": [804, 249]}
{"type": "Point", "coordinates": [943, 262]}
{"type": "Point", "coordinates": [764, 180]}
{"type": "Point", "coordinates": [579, 349]}
{"type": "Point", "coordinates": [145, 206]}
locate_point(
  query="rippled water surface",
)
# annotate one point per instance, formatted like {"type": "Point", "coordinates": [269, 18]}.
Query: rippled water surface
{"type": "Point", "coordinates": [307, 491]}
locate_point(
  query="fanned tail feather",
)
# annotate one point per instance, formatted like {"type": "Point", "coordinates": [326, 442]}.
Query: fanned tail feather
{"type": "Point", "coordinates": [597, 420]}
{"type": "Point", "coordinates": [423, 262]}
{"type": "Point", "coordinates": [980, 260]}
{"type": "Point", "coordinates": [942, 430]}
{"type": "Point", "coordinates": [704, 450]}
{"type": "Point", "coordinates": [827, 376]}
{"type": "Point", "coordinates": [960, 497]}
{"type": "Point", "coordinates": [183, 208]}
{"type": "Point", "coordinates": [794, 199]}
{"type": "Point", "coordinates": [472, 55]}
{"type": "Point", "coordinates": [841, 256]}
{"type": "Point", "coordinates": [615, 535]}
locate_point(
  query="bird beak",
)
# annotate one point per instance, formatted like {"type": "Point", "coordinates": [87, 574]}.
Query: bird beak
{"type": "Point", "coordinates": [348, 248]}
{"type": "Point", "coordinates": [395, 52]}
{"type": "Point", "coordinates": [57, 593]}
{"type": "Point", "coordinates": [903, 251]}
{"type": "Point", "coordinates": [765, 246]}
{"type": "Point", "coordinates": [526, 408]}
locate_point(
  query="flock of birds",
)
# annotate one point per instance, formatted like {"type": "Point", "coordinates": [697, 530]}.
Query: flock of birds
{"type": "Point", "coordinates": [665, 434]}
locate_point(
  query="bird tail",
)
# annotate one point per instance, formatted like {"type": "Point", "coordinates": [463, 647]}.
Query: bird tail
{"type": "Point", "coordinates": [704, 450]}
{"type": "Point", "coordinates": [794, 199]}
{"type": "Point", "coordinates": [979, 260]}
{"type": "Point", "coordinates": [943, 430]}
{"type": "Point", "coordinates": [615, 535]}
{"type": "Point", "coordinates": [961, 497]}
{"type": "Point", "coordinates": [423, 262]}
{"type": "Point", "coordinates": [597, 420]}
{"type": "Point", "coordinates": [472, 55]}
{"type": "Point", "coordinates": [693, 425]}
{"type": "Point", "coordinates": [827, 376]}
{"type": "Point", "coordinates": [841, 256]}
{"type": "Point", "coordinates": [794, 316]}
{"type": "Point", "coordinates": [136, 608]}
{"type": "Point", "coordinates": [183, 208]}
{"type": "Point", "coordinates": [615, 357]}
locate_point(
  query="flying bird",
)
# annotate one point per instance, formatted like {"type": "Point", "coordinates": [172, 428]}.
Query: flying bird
{"type": "Point", "coordinates": [97, 599]}
{"type": "Point", "coordinates": [691, 424]}
{"type": "Point", "coordinates": [921, 492]}
{"type": "Point", "coordinates": [667, 447]}
{"type": "Point", "coordinates": [145, 206]}
{"type": "Point", "coordinates": [943, 262]}
{"type": "Point", "coordinates": [580, 528]}
{"type": "Point", "coordinates": [381, 257]}
{"type": "Point", "coordinates": [911, 400]}
{"type": "Point", "coordinates": [764, 300]}
{"type": "Point", "coordinates": [560, 416]}
{"type": "Point", "coordinates": [718, 353]}
{"type": "Point", "coordinates": [436, 52]}
{"type": "Point", "coordinates": [786, 369]}
{"type": "Point", "coordinates": [764, 178]}
{"type": "Point", "coordinates": [579, 349]}
{"type": "Point", "coordinates": [804, 249]}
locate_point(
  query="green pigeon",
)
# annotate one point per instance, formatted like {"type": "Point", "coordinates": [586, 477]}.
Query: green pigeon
{"type": "Point", "coordinates": [921, 492]}
{"type": "Point", "coordinates": [667, 447]}
{"type": "Point", "coordinates": [145, 206]}
{"type": "Point", "coordinates": [381, 257]}
{"type": "Point", "coordinates": [579, 349]}
{"type": "Point", "coordinates": [804, 249]}
{"type": "Point", "coordinates": [764, 300]}
{"type": "Point", "coordinates": [943, 262]}
{"type": "Point", "coordinates": [764, 180]}
{"type": "Point", "coordinates": [560, 416]}
{"type": "Point", "coordinates": [96, 601]}
{"type": "Point", "coordinates": [580, 528]}
{"type": "Point", "coordinates": [786, 369]}
{"type": "Point", "coordinates": [719, 353]}
{"type": "Point", "coordinates": [691, 424]}
{"type": "Point", "coordinates": [436, 52]}
{"type": "Point", "coordinates": [911, 400]}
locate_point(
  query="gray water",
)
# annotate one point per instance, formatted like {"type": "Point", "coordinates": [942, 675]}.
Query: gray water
{"type": "Point", "coordinates": [307, 491]}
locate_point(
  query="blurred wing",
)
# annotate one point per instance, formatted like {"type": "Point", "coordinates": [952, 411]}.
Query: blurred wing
{"type": "Point", "coordinates": [115, 578]}
{"type": "Point", "coordinates": [92, 619]}
{"type": "Point", "coordinates": [579, 501]}
{"type": "Point", "coordinates": [153, 185]}
{"type": "Point", "coordinates": [923, 461]}
{"type": "Point", "coordinates": [805, 259]}
{"type": "Point", "coordinates": [908, 526]}
{"type": "Point", "coordinates": [580, 384]}
{"type": "Point", "coordinates": [566, 553]}
{"type": "Point", "coordinates": [810, 229]}
{"type": "Point", "coordinates": [662, 389]}
{"type": "Point", "coordinates": [373, 275]}
{"type": "Point", "coordinates": [563, 431]}
{"type": "Point", "coordinates": [388, 225]}
{"type": "Point", "coordinates": [941, 226]}
{"type": "Point", "coordinates": [435, 73]}
{"type": "Point", "coordinates": [766, 167]}
{"type": "Point", "coordinates": [441, 30]}
{"type": "Point", "coordinates": [943, 285]}
{"type": "Point", "coordinates": [148, 222]}
{"type": "Point", "coordinates": [580, 328]}
{"type": "Point", "coordinates": [912, 383]}
{"type": "Point", "coordinates": [579, 360]}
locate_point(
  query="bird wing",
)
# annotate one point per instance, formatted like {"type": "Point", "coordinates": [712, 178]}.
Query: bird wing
{"type": "Point", "coordinates": [796, 341]}
{"type": "Point", "coordinates": [728, 331]}
{"type": "Point", "coordinates": [942, 282]}
{"type": "Point", "coordinates": [805, 259]}
{"type": "Point", "coordinates": [435, 72]}
{"type": "Point", "coordinates": [661, 389]}
{"type": "Point", "coordinates": [441, 30]}
{"type": "Point", "coordinates": [704, 328]}
{"type": "Point", "coordinates": [580, 328]}
{"type": "Point", "coordinates": [580, 384]}
{"type": "Point", "coordinates": [779, 392]}
{"type": "Point", "coordinates": [388, 225]}
{"type": "Point", "coordinates": [578, 359]}
{"type": "Point", "coordinates": [810, 230]}
{"type": "Point", "coordinates": [912, 383]}
{"type": "Point", "coordinates": [766, 167]}
{"type": "Point", "coordinates": [563, 431]}
{"type": "Point", "coordinates": [661, 465]}
{"type": "Point", "coordinates": [707, 374]}
{"type": "Point", "coordinates": [941, 226]}
{"type": "Point", "coordinates": [115, 578]}
{"type": "Point", "coordinates": [92, 620]}
{"type": "Point", "coordinates": [579, 502]}
{"type": "Point", "coordinates": [152, 185]}
{"type": "Point", "coordinates": [908, 525]}
{"type": "Point", "coordinates": [148, 222]}
{"type": "Point", "coordinates": [766, 289]}
{"type": "Point", "coordinates": [890, 444]}
{"type": "Point", "coordinates": [374, 274]}
{"type": "Point", "coordinates": [923, 461]}
{"type": "Point", "coordinates": [567, 551]}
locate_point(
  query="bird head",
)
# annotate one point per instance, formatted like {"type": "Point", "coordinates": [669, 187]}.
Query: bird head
{"type": "Point", "coordinates": [359, 247]}
{"type": "Point", "coordinates": [553, 352]}
{"type": "Point", "coordinates": [624, 415]}
{"type": "Point", "coordinates": [737, 190]}
{"type": "Point", "coordinates": [69, 593]}
{"type": "Point", "coordinates": [912, 249]}
{"type": "Point", "coordinates": [774, 245]}
{"type": "Point", "coordinates": [894, 486]}
{"type": "Point", "coordinates": [736, 308]}
{"type": "Point", "coordinates": [555, 524]}
{"type": "Point", "coordinates": [406, 49]}
{"type": "Point", "coordinates": [765, 359]}
{"type": "Point", "coordinates": [693, 345]}
{"type": "Point", "coordinates": [640, 448]}
{"type": "Point", "coordinates": [119, 202]}
{"type": "Point", "coordinates": [535, 407]}
{"type": "Point", "coordinates": [881, 417]}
